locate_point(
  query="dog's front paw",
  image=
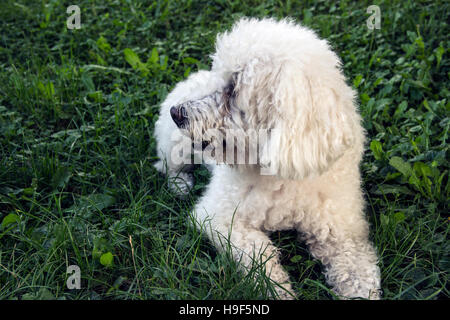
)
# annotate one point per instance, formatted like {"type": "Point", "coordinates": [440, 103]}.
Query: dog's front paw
{"type": "Point", "coordinates": [181, 184]}
{"type": "Point", "coordinates": [283, 291]}
{"type": "Point", "coordinates": [375, 294]}
{"type": "Point", "coordinates": [159, 165]}
{"type": "Point", "coordinates": [367, 294]}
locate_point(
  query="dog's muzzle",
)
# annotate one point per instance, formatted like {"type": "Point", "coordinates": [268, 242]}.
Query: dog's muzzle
{"type": "Point", "coordinates": [178, 115]}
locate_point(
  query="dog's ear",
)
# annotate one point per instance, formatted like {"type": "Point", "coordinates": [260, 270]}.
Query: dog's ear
{"type": "Point", "coordinates": [314, 121]}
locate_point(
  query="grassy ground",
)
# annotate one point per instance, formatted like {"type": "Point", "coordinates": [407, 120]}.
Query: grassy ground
{"type": "Point", "coordinates": [77, 111]}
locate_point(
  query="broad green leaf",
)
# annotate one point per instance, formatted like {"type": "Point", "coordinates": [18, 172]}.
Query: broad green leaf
{"type": "Point", "coordinates": [439, 53]}
{"type": "Point", "coordinates": [400, 165]}
{"type": "Point", "coordinates": [401, 108]}
{"type": "Point", "coordinates": [45, 294]}
{"type": "Point", "coordinates": [134, 61]}
{"type": "Point", "coordinates": [96, 96]}
{"type": "Point", "coordinates": [187, 72]}
{"type": "Point", "coordinates": [163, 61]}
{"type": "Point", "coordinates": [399, 217]}
{"type": "Point", "coordinates": [10, 219]}
{"type": "Point", "coordinates": [103, 44]}
{"type": "Point", "coordinates": [189, 60]}
{"type": "Point", "coordinates": [42, 294]}
{"type": "Point", "coordinates": [100, 246]}
{"type": "Point", "coordinates": [154, 57]}
{"type": "Point", "coordinates": [96, 253]}
{"type": "Point", "coordinates": [99, 201]}
{"type": "Point", "coordinates": [107, 259]}
{"type": "Point", "coordinates": [421, 169]}
{"type": "Point", "coordinates": [132, 58]}
{"type": "Point", "coordinates": [413, 180]}
{"type": "Point", "coordinates": [384, 219]}
{"type": "Point", "coordinates": [393, 189]}
{"type": "Point", "coordinates": [377, 149]}
{"type": "Point", "coordinates": [420, 43]}
{"type": "Point", "coordinates": [93, 202]}
{"type": "Point", "coordinates": [28, 191]}
{"type": "Point", "coordinates": [357, 80]}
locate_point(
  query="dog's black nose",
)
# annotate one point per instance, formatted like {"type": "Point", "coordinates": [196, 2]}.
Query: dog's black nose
{"type": "Point", "coordinates": [177, 115]}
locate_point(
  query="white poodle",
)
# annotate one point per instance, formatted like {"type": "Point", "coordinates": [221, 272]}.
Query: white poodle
{"type": "Point", "coordinates": [277, 77]}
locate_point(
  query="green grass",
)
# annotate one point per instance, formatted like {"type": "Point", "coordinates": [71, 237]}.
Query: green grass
{"type": "Point", "coordinates": [77, 112]}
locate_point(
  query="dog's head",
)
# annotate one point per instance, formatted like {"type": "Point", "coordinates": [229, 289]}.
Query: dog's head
{"type": "Point", "coordinates": [296, 99]}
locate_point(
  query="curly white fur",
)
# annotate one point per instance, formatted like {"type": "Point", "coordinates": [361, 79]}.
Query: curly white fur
{"type": "Point", "coordinates": [283, 77]}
